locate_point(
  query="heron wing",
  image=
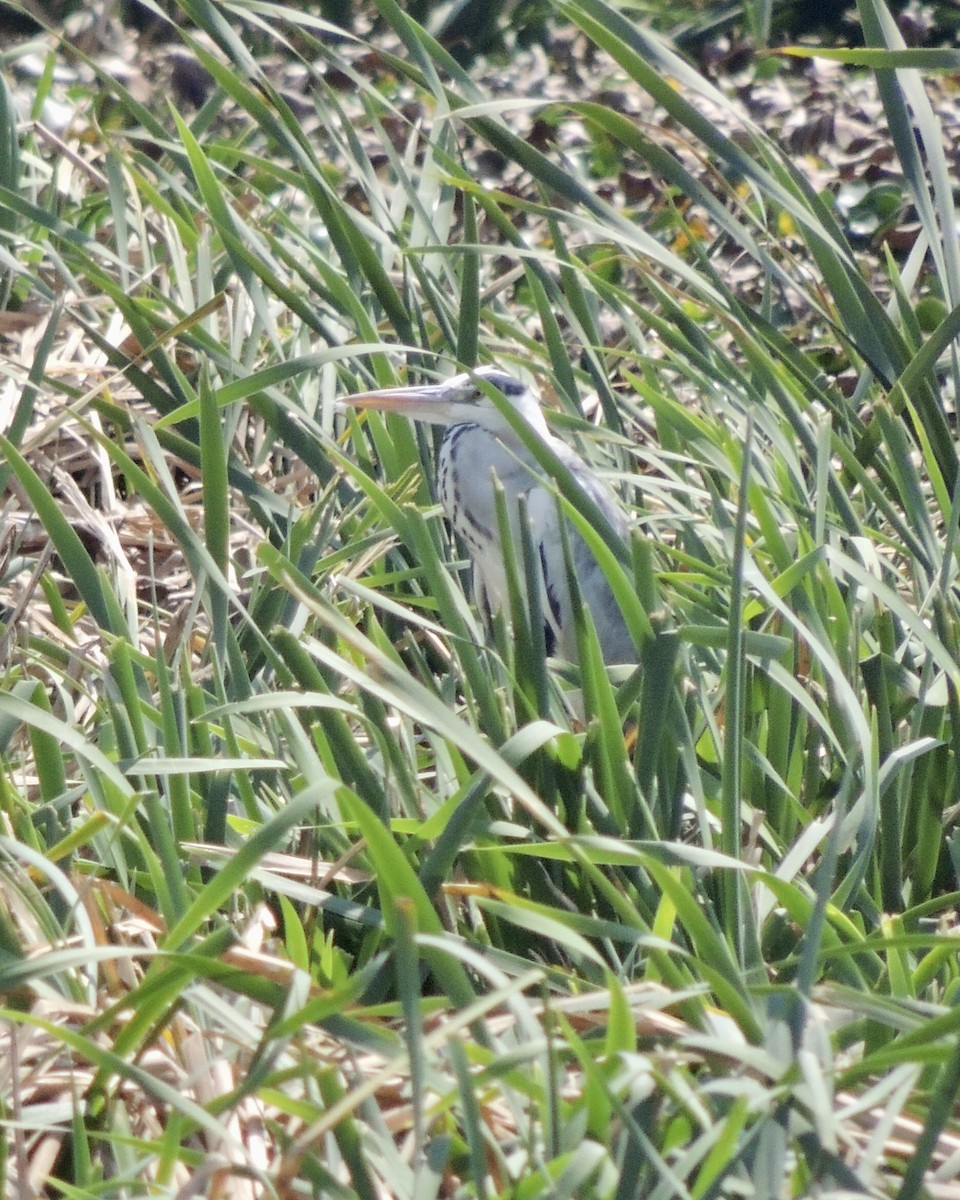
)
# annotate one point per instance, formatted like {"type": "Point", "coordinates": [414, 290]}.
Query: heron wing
{"type": "Point", "coordinates": [594, 590]}
{"type": "Point", "coordinates": [544, 517]}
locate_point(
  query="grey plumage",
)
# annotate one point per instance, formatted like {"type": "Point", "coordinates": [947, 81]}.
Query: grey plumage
{"type": "Point", "coordinates": [480, 443]}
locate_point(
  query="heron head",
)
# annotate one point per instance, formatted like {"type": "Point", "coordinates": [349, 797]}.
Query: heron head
{"type": "Point", "coordinates": [460, 399]}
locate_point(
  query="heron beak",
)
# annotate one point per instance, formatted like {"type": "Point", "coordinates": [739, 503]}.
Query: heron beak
{"type": "Point", "coordinates": [425, 403]}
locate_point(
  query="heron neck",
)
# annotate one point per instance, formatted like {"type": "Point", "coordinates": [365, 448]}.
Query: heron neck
{"type": "Point", "coordinates": [507, 437]}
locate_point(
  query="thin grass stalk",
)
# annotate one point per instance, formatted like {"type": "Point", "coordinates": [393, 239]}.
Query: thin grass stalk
{"type": "Point", "coordinates": [734, 900]}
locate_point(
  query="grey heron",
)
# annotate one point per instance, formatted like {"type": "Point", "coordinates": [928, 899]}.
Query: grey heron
{"type": "Point", "coordinates": [478, 444]}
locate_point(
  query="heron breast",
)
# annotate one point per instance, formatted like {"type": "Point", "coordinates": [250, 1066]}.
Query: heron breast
{"type": "Point", "coordinates": [464, 483]}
